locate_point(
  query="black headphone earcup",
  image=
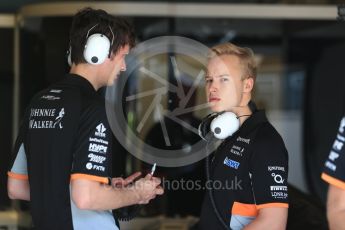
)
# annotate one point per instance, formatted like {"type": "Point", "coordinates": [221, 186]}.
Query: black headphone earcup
{"type": "Point", "coordinates": [204, 127]}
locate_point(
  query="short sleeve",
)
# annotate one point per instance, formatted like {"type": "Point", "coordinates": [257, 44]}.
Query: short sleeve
{"type": "Point", "coordinates": [92, 155]}
{"type": "Point", "coordinates": [269, 169]}
{"type": "Point", "coordinates": [334, 167]}
{"type": "Point", "coordinates": [18, 167]}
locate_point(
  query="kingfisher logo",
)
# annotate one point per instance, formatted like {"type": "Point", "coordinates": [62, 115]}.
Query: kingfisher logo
{"type": "Point", "coordinates": [231, 163]}
{"type": "Point", "coordinates": [100, 130]}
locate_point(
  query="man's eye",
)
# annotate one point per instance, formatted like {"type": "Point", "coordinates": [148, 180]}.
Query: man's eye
{"type": "Point", "coordinates": [208, 80]}
{"type": "Point", "coordinates": [224, 79]}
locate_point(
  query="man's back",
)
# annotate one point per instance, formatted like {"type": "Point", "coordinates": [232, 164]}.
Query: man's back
{"type": "Point", "coordinates": [57, 143]}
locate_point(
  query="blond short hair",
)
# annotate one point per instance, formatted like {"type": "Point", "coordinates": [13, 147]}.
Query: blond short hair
{"type": "Point", "coordinates": [246, 56]}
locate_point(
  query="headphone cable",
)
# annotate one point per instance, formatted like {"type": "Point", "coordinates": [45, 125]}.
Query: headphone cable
{"type": "Point", "coordinates": [210, 192]}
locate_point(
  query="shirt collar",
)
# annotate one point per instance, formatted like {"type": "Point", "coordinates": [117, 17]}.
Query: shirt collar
{"type": "Point", "coordinates": [80, 81]}
{"type": "Point", "coordinates": [252, 122]}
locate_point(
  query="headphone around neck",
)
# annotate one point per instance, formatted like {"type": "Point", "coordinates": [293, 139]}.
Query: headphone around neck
{"type": "Point", "coordinates": [221, 125]}
{"type": "Point", "coordinates": [97, 48]}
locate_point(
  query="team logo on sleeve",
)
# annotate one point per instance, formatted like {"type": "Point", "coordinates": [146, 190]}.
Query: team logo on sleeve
{"type": "Point", "coordinates": [277, 178]}
{"type": "Point", "coordinates": [100, 130]}
{"type": "Point", "coordinates": [97, 148]}
{"type": "Point", "coordinates": [278, 188]}
{"type": "Point", "coordinates": [95, 158]}
{"type": "Point", "coordinates": [90, 166]}
{"type": "Point", "coordinates": [337, 147]}
{"type": "Point", "coordinates": [331, 159]}
{"type": "Point", "coordinates": [342, 125]}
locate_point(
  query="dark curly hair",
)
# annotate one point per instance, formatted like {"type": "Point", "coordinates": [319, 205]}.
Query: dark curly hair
{"type": "Point", "coordinates": [87, 18]}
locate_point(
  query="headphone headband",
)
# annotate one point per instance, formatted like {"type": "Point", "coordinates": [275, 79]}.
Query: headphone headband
{"type": "Point", "coordinates": [111, 31]}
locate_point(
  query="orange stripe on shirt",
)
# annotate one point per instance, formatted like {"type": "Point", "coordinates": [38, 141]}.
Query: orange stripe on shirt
{"type": "Point", "coordinates": [244, 209]}
{"type": "Point", "coordinates": [89, 177]}
{"type": "Point", "coordinates": [333, 181]}
{"type": "Point", "coordinates": [18, 176]}
{"type": "Point", "coordinates": [272, 205]}
{"type": "Point", "coordinates": [252, 209]}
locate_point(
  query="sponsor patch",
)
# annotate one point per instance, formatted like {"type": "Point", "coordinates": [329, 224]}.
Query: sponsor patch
{"type": "Point", "coordinates": [231, 163]}
{"type": "Point", "coordinates": [97, 148]}
{"type": "Point", "coordinates": [244, 140]}
{"type": "Point", "coordinates": [278, 188]}
{"type": "Point", "coordinates": [100, 130]}
{"type": "Point", "coordinates": [330, 165]}
{"type": "Point", "coordinates": [96, 158]}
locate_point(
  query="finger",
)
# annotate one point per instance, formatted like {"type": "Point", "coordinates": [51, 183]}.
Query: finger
{"type": "Point", "coordinates": [156, 180]}
{"type": "Point", "coordinates": [145, 202]}
{"type": "Point", "coordinates": [160, 187]}
{"type": "Point", "coordinates": [132, 177]}
{"type": "Point", "coordinates": [117, 181]}
{"type": "Point", "coordinates": [159, 191]}
{"type": "Point", "coordinates": [148, 176]}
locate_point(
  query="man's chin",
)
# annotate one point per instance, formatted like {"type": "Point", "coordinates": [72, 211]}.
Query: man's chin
{"type": "Point", "coordinates": [216, 109]}
{"type": "Point", "coordinates": [111, 83]}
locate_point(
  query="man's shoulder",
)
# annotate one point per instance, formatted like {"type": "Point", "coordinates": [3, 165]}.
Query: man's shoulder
{"type": "Point", "coordinates": [268, 138]}
{"type": "Point", "coordinates": [268, 132]}
{"type": "Point", "coordinates": [57, 89]}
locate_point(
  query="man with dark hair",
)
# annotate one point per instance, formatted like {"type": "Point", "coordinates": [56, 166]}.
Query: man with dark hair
{"type": "Point", "coordinates": [62, 157]}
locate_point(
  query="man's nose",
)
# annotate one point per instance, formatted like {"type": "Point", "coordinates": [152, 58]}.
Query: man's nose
{"type": "Point", "coordinates": [213, 87]}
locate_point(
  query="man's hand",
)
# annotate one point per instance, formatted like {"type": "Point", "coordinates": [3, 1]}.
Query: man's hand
{"type": "Point", "coordinates": [119, 182]}
{"type": "Point", "coordinates": [147, 188]}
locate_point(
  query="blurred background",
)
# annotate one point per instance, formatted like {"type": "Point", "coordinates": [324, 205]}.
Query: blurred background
{"type": "Point", "coordinates": [299, 46]}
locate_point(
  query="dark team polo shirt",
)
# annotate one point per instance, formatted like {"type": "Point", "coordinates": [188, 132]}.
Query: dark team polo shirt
{"type": "Point", "coordinates": [252, 169]}
{"type": "Point", "coordinates": [334, 169]}
{"type": "Point", "coordinates": [64, 135]}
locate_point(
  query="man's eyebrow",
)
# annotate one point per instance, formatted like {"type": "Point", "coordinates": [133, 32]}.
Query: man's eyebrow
{"type": "Point", "coordinates": [218, 76]}
{"type": "Point", "coordinates": [223, 75]}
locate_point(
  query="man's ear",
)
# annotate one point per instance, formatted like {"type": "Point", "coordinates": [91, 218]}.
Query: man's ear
{"type": "Point", "coordinates": [112, 56]}
{"type": "Point", "coordinates": [248, 85]}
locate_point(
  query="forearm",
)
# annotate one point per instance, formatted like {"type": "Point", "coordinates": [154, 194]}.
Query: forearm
{"type": "Point", "coordinates": [106, 197]}
{"type": "Point", "coordinates": [336, 219]}
{"type": "Point", "coordinates": [336, 207]}
{"type": "Point", "coordinates": [18, 189]}
{"type": "Point", "coordinates": [101, 196]}
{"type": "Point", "coordinates": [259, 224]}
{"type": "Point", "coordinates": [269, 218]}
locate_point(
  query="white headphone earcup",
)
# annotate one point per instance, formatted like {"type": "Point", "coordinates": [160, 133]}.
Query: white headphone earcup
{"type": "Point", "coordinates": [96, 49]}
{"type": "Point", "coordinates": [204, 126]}
{"type": "Point", "coordinates": [225, 125]}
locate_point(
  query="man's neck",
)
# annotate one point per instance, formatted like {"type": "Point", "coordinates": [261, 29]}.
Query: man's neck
{"type": "Point", "coordinates": [243, 112]}
{"type": "Point", "coordinates": [87, 72]}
